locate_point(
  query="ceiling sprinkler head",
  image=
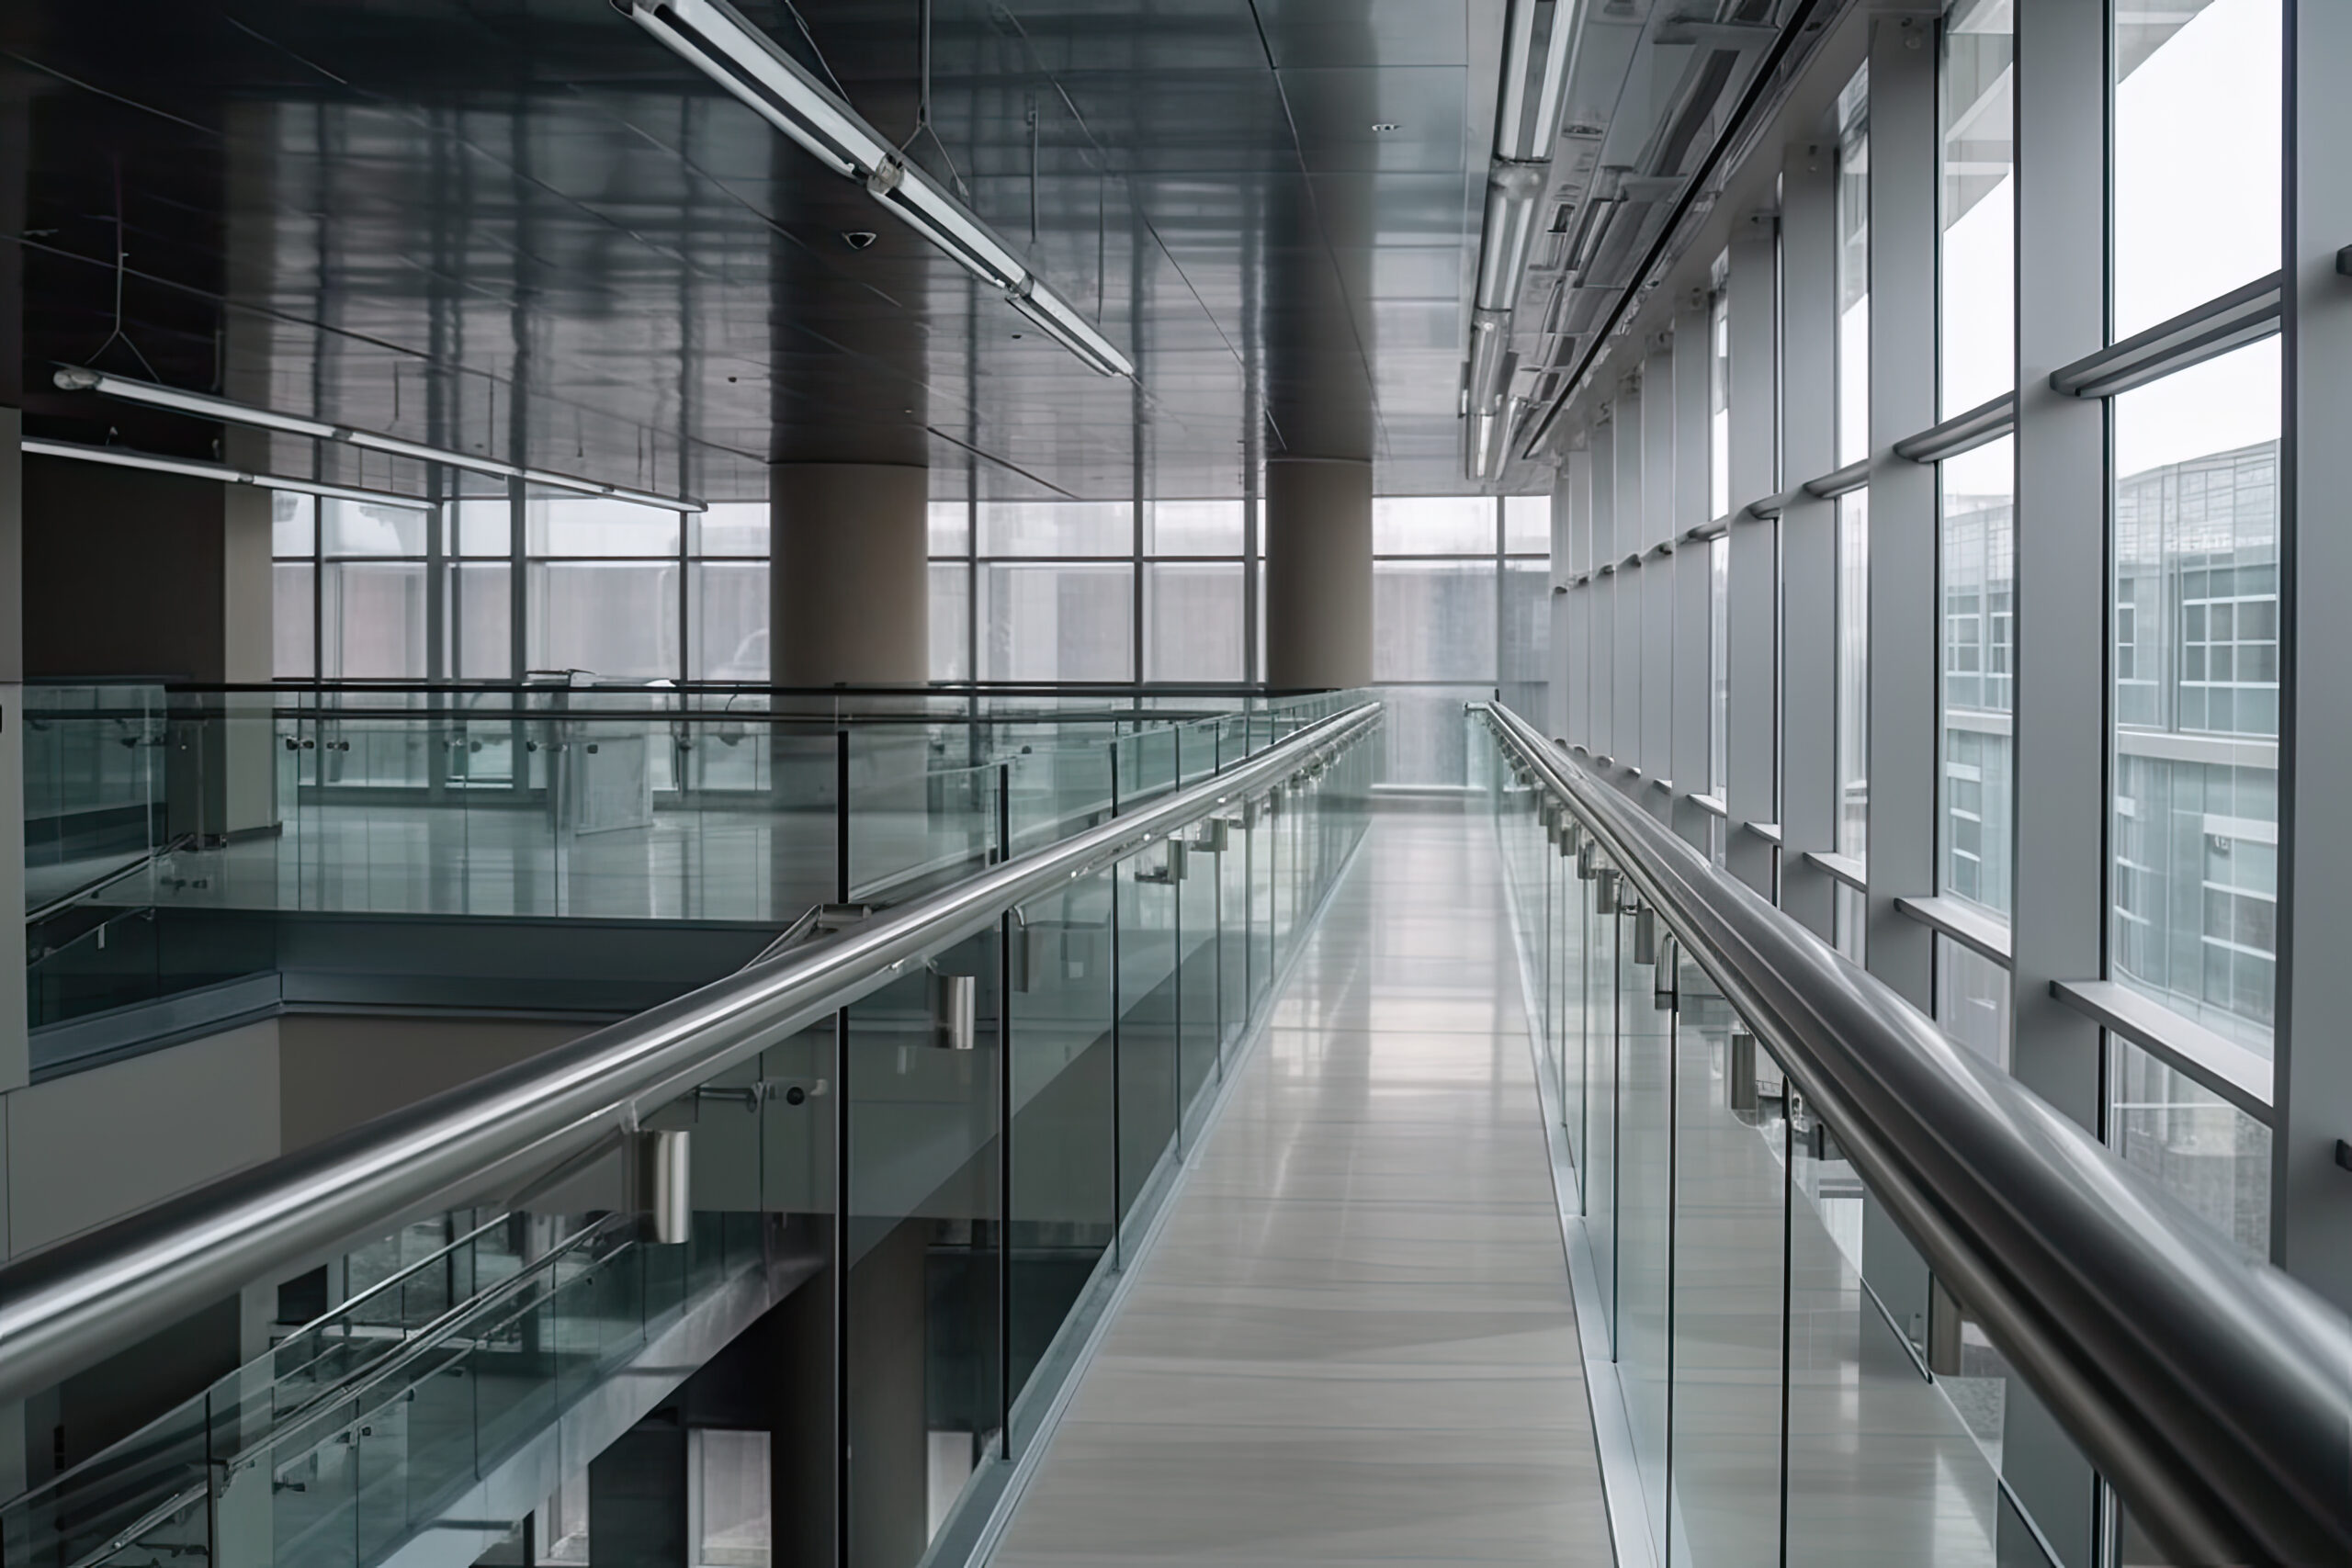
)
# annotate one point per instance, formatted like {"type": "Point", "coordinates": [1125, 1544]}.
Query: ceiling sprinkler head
{"type": "Point", "coordinates": [857, 239]}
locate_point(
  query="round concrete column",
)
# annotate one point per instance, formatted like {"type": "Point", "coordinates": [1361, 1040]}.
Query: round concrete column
{"type": "Point", "coordinates": [849, 584]}
{"type": "Point", "coordinates": [1318, 571]}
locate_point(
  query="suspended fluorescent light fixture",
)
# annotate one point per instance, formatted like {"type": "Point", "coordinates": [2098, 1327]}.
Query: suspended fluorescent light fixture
{"type": "Point", "coordinates": [189, 468]}
{"type": "Point", "coordinates": [713, 37]}
{"type": "Point", "coordinates": [73, 379]}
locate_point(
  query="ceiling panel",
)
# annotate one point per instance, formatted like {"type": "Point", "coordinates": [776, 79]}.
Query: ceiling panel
{"type": "Point", "coordinates": [522, 227]}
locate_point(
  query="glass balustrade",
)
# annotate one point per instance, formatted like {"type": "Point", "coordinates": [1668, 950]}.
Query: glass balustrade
{"type": "Point", "coordinates": [1796, 1386]}
{"type": "Point", "coordinates": [169, 829]}
{"type": "Point", "coordinates": [983, 1138]}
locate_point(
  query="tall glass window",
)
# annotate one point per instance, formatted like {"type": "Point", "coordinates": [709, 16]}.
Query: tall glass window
{"type": "Point", "coordinates": [294, 585]}
{"type": "Point", "coordinates": [1718, 666]}
{"type": "Point", "coordinates": [1719, 395]}
{"type": "Point", "coordinates": [1978, 592]}
{"type": "Point", "coordinates": [1055, 587]}
{"type": "Point", "coordinates": [372, 591]}
{"type": "Point", "coordinates": [1193, 590]}
{"type": "Point", "coordinates": [1977, 282]}
{"type": "Point", "coordinates": [2197, 152]}
{"type": "Point", "coordinates": [727, 592]}
{"type": "Point", "coordinates": [1435, 618]}
{"type": "Point", "coordinates": [1853, 514]}
{"type": "Point", "coordinates": [480, 614]}
{"type": "Point", "coordinates": [1854, 269]}
{"type": "Point", "coordinates": [605, 587]}
{"type": "Point", "coordinates": [2195, 660]}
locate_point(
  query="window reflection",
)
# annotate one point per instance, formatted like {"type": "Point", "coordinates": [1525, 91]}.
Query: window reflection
{"type": "Point", "coordinates": [2195, 627]}
{"type": "Point", "coordinates": [1978, 284]}
{"type": "Point", "coordinates": [1854, 269]}
{"type": "Point", "coordinates": [2197, 151]}
{"type": "Point", "coordinates": [1853, 673]}
{"type": "Point", "coordinates": [1978, 562]}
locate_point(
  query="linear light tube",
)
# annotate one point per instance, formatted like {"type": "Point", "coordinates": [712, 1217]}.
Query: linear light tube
{"type": "Point", "coordinates": [915, 201]}
{"type": "Point", "coordinates": [123, 458]}
{"type": "Point", "coordinates": [73, 378]}
{"type": "Point", "coordinates": [205, 406]}
{"type": "Point", "coordinates": [741, 57]}
{"type": "Point", "coordinates": [715, 39]}
{"type": "Point", "coordinates": [1074, 332]}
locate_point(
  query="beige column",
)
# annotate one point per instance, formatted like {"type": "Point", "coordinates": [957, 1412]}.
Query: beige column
{"type": "Point", "coordinates": [850, 580]}
{"type": "Point", "coordinates": [1318, 572]}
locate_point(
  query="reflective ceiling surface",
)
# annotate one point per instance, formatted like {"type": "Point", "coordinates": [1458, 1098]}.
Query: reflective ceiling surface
{"type": "Point", "coordinates": [523, 227]}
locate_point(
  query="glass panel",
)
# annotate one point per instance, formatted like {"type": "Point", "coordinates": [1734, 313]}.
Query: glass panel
{"type": "Point", "coordinates": [294, 650]}
{"type": "Point", "coordinates": [1057, 528]}
{"type": "Point", "coordinates": [481, 620]}
{"type": "Point", "coordinates": [1600, 1106]}
{"type": "Point", "coordinates": [1881, 1468]}
{"type": "Point", "coordinates": [485, 527]}
{"type": "Point", "coordinates": [2213, 173]}
{"type": "Point", "coordinates": [293, 524]}
{"type": "Point", "coordinates": [1718, 665]}
{"type": "Point", "coordinates": [1056, 623]}
{"type": "Point", "coordinates": [1972, 1000]}
{"type": "Point", "coordinates": [1853, 673]}
{"type": "Point", "coordinates": [730, 608]}
{"type": "Point", "coordinates": [951, 529]}
{"type": "Point", "coordinates": [924, 1238]}
{"type": "Point", "coordinates": [1854, 269]}
{"type": "Point", "coordinates": [1193, 528]}
{"type": "Point", "coordinates": [1065, 1205]}
{"type": "Point", "coordinates": [729, 528]}
{"type": "Point", "coordinates": [363, 528]}
{"type": "Point", "coordinates": [2199, 1147]}
{"type": "Point", "coordinates": [1193, 620]}
{"type": "Point", "coordinates": [1526, 674]}
{"type": "Point", "coordinates": [1433, 525]}
{"type": "Point", "coordinates": [1433, 620]}
{"type": "Point", "coordinates": [1719, 396]}
{"type": "Point", "coordinates": [1978, 262]}
{"type": "Point", "coordinates": [1527, 524]}
{"type": "Point", "coordinates": [1199, 1022]}
{"type": "Point", "coordinates": [2195, 662]}
{"type": "Point", "coordinates": [1646, 1202]}
{"type": "Point", "coordinates": [1978, 591]}
{"type": "Point", "coordinates": [559, 525]}
{"type": "Point", "coordinates": [951, 621]}
{"type": "Point", "coordinates": [372, 620]}
{"type": "Point", "coordinates": [1730, 1187]}
{"type": "Point", "coordinates": [1423, 725]}
{"type": "Point", "coordinates": [618, 619]}
{"type": "Point", "coordinates": [1148, 1021]}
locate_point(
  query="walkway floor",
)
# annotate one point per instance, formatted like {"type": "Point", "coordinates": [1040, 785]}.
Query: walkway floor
{"type": "Point", "coordinates": [1354, 1341]}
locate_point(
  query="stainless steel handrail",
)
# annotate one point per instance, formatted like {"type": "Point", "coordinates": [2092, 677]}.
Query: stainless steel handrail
{"type": "Point", "coordinates": [2213, 1391]}
{"type": "Point", "coordinates": [64, 1308]}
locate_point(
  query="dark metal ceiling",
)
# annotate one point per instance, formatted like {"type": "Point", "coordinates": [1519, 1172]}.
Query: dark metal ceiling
{"type": "Point", "coordinates": [523, 227]}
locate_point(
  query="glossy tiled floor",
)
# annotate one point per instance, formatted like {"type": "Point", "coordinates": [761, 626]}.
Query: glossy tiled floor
{"type": "Point", "coordinates": [1353, 1340]}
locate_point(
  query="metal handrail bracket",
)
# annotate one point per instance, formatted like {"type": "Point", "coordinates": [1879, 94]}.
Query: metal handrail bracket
{"type": "Point", "coordinates": [67, 1306]}
{"type": "Point", "coordinates": [2213, 1391]}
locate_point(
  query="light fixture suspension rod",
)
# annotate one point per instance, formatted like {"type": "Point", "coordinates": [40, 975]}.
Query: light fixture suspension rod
{"type": "Point", "coordinates": [716, 39]}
